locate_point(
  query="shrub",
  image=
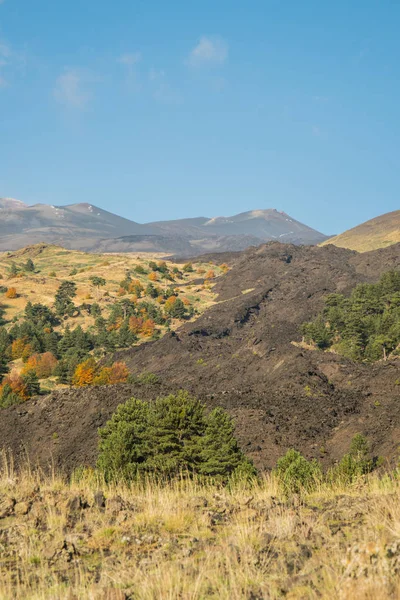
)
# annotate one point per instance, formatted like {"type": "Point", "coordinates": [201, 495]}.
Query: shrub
{"type": "Point", "coordinates": [356, 463]}
{"type": "Point", "coordinates": [29, 266]}
{"type": "Point", "coordinates": [168, 437]}
{"type": "Point", "coordinates": [175, 308]}
{"type": "Point", "coordinates": [296, 473]}
{"type": "Point", "coordinates": [144, 379]}
{"type": "Point", "coordinates": [11, 293]}
{"type": "Point", "coordinates": [117, 373]}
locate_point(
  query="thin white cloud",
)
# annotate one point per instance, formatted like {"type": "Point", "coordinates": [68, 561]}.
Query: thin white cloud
{"type": "Point", "coordinates": [72, 88]}
{"type": "Point", "coordinates": [130, 59]}
{"type": "Point", "coordinates": [208, 52]}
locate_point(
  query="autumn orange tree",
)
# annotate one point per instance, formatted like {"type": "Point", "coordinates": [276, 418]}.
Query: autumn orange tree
{"type": "Point", "coordinates": [15, 384]}
{"type": "Point", "coordinates": [136, 324]}
{"type": "Point", "coordinates": [11, 293]}
{"type": "Point", "coordinates": [85, 373]}
{"type": "Point", "coordinates": [90, 373]}
{"type": "Point", "coordinates": [43, 364]}
{"type": "Point", "coordinates": [117, 373]}
{"type": "Point", "coordinates": [148, 327]}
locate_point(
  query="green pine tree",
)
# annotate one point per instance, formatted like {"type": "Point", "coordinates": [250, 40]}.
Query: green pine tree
{"type": "Point", "coordinates": [31, 383]}
{"type": "Point", "coordinates": [177, 423]}
{"type": "Point", "coordinates": [4, 369]}
{"type": "Point", "coordinates": [124, 444]}
{"type": "Point", "coordinates": [29, 266]}
{"type": "Point", "coordinates": [220, 454]}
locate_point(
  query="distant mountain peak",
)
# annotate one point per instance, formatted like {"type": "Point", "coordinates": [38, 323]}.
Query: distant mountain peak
{"type": "Point", "coordinates": [84, 225]}
{"type": "Point", "coordinates": [12, 204]}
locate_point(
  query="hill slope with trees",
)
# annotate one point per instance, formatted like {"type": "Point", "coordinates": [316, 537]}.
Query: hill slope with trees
{"type": "Point", "coordinates": [245, 354]}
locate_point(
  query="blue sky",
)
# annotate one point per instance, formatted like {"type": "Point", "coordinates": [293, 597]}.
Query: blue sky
{"type": "Point", "coordinates": [158, 109]}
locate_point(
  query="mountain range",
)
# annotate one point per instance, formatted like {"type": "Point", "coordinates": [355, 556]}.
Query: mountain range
{"type": "Point", "coordinates": [87, 227]}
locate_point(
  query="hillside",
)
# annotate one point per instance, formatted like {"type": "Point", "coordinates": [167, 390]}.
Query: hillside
{"type": "Point", "coordinates": [377, 233]}
{"type": "Point", "coordinates": [87, 227]}
{"type": "Point", "coordinates": [60, 308]}
{"type": "Point", "coordinates": [54, 264]}
{"type": "Point", "coordinates": [244, 353]}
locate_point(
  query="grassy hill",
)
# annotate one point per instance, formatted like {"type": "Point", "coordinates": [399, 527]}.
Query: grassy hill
{"type": "Point", "coordinates": [53, 265]}
{"type": "Point", "coordinates": [377, 233]}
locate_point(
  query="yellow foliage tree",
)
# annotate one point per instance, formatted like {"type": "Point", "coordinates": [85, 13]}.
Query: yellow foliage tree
{"type": "Point", "coordinates": [85, 373]}
{"type": "Point", "coordinates": [17, 348]}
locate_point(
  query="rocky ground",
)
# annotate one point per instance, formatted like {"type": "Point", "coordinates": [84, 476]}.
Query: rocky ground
{"type": "Point", "coordinates": [185, 541]}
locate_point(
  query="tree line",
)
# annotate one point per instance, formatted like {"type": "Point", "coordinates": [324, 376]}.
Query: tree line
{"type": "Point", "coordinates": [364, 326]}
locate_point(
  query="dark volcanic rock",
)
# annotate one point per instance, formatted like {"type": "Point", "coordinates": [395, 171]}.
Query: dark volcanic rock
{"type": "Point", "coordinates": [240, 354]}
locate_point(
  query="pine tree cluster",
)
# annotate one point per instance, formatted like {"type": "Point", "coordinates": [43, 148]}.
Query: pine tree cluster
{"type": "Point", "coordinates": [364, 326]}
{"type": "Point", "coordinates": [171, 436]}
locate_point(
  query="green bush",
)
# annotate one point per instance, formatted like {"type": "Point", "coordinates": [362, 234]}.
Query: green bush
{"type": "Point", "coordinates": [144, 379]}
{"type": "Point", "coordinates": [355, 463]}
{"type": "Point", "coordinates": [169, 437]}
{"type": "Point", "coordinates": [296, 473]}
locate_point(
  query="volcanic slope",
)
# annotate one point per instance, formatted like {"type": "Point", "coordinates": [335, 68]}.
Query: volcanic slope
{"type": "Point", "coordinates": [377, 233]}
{"type": "Point", "coordinates": [242, 354]}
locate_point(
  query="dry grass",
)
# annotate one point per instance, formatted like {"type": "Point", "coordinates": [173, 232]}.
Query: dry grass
{"type": "Point", "coordinates": [377, 233]}
{"type": "Point", "coordinates": [41, 286]}
{"type": "Point", "coordinates": [190, 541]}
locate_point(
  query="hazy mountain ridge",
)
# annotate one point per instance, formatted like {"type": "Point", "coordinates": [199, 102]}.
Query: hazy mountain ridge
{"type": "Point", "coordinates": [87, 227]}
